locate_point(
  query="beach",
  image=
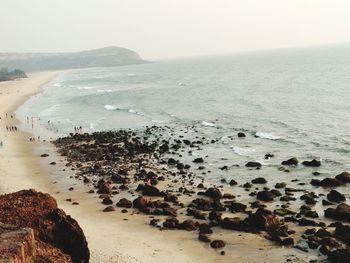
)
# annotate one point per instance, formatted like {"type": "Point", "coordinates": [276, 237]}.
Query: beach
{"type": "Point", "coordinates": [116, 236]}
{"type": "Point", "coordinates": [110, 238]}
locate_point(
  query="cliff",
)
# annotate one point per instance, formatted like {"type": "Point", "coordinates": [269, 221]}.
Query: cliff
{"type": "Point", "coordinates": [34, 229]}
{"type": "Point", "coordinates": [104, 57]}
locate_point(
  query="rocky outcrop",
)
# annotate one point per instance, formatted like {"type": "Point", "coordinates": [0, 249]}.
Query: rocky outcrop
{"type": "Point", "coordinates": [53, 229]}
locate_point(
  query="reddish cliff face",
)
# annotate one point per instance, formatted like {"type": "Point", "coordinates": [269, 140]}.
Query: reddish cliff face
{"type": "Point", "coordinates": [54, 231]}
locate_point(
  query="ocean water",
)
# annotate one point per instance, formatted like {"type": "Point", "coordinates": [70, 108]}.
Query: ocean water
{"type": "Point", "coordinates": [288, 102]}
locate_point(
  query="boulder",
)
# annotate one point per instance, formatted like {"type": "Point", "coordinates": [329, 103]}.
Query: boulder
{"type": "Point", "coordinates": [124, 203]}
{"type": "Point", "coordinates": [327, 182]}
{"type": "Point", "coordinates": [213, 193]}
{"type": "Point", "coordinates": [265, 195]}
{"type": "Point", "coordinates": [339, 256]}
{"type": "Point", "coordinates": [259, 180]}
{"type": "Point", "coordinates": [253, 164]}
{"type": "Point", "coordinates": [198, 160]}
{"type": "Point", "coordinates": [335, 196]}
{"type": "Point", "coordinates": [291, 161]}
{"type": "Point", "coordinates": [263, 219]}
{"type": "Point", "coordinates": [188, 225]}
{"type": "Point", "coordinates": [343, 177]}
{"type": "Point", "coordinates": [217, 244]}
{"type": "Point", "coordinates": [140, 203]}
{"type": "Point", "coordinates": [241, 135]}
{"type": "Point", "coordinates": [313, 163]}
{"type": "Point", "coordinates": [29, 208]}
{"type": "Point", "coordinates": [149, 190]}
{"type": "Point", "coordinates": [342, 212]}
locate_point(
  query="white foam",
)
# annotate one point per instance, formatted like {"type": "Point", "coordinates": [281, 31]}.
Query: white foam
{"type": "Point", "coordinates": [158, 121]}
{"type": "Point", "coordinates": [85, 87]}
{"type": "Point", "coordinates": [104, 90]}
{"type": "Point", "coordinates": [243, 151]}
{"type": "Point", "coordinates": [266, 135]}
{"type": "Point", "coordinates": [205, 123]}
{"type": "Point", "coordinates": [111, 107]}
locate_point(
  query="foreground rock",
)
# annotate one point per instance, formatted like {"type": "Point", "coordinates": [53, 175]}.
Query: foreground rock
{"type": "Point", "coordinates": [18, 244]}
{"type": "Point", "coordinates": [51, 226]}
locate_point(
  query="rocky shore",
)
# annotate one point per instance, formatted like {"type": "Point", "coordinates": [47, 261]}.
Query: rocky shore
{"type": "Point", "coordinates": [153, 172]}
{"type": "Point", "coordinates": [34, 229]}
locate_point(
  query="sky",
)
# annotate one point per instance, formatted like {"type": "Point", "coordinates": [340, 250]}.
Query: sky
{"type": "Point", "coordinates": [159, 29]}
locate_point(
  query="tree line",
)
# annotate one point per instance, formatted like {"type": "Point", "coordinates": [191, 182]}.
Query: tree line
{"type": "Point", "coordinates": [6, 74]}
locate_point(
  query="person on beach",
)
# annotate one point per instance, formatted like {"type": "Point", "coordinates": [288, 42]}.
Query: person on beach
{"type": "Point", "coordinates": [1, 144]}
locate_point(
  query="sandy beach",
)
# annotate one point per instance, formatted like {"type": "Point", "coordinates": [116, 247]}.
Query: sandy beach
{"type": "Point", "coordinates": [112, 237]}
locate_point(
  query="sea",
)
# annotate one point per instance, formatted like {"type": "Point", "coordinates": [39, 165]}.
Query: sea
{"type": "Point", "coordinates": [288, 102]}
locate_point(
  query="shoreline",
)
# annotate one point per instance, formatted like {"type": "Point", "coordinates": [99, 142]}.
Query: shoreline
{"type": "Point", "coordinates": [22, 168]}
{"type": "Point", "coordinates": [112, 237]}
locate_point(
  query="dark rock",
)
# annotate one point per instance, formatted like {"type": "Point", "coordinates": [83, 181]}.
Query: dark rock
{"type": "Point", "coordinates": [237, 207]}
{"type": "Point", "coordinates": [259, 180]}
{"type": "Point", "coordinates": [263, 219]}
{"type": "Point", "coordinates": [198, 160]}
{"type": "Point", "coordinates": [339, 256]}
{"type": "Point", "coordinates": [240, 135]}
{"type": "Point", "coordinates": [204, 238]}
{"type": "Point", "coordinates": [205, 229]}
{"type": "Point", "coordinates": [171, 223]}
{"type": "Point", "coordinates": [107, 201]}
{"type": "Point", "coordinates": [313, 163]}
{"type": "Point", "coordinates": [140, 203]}
{"type": "Point", "coordinates": [232, 223]}
{"type": "Point", "coordinates": [188, 225]}
{"type": "Point", "coordinates": [266, 196]}
{"type": "Point", "coordinates": [124, 203]}
{"type": "Point", "coordinates": [213, 193]}
{"type": "Point", "coordinates": [335, 196]}
{"type": "Point", "coordinates": [195, 213]}
{"type": "Point", "coordinates": [233, 182]}
{"type": "Point", "coordinates": [327, 182]}
{"type": "Point", "coordinates": [217, 244]}
{"type": "Point", "coordinates": [149, 190]}
{"type": "Point", "coordinates": [307, 222]}
{"type": "Point", "coordinates": [109, 209]}
{"type": "Point", "coordinates": [342, 232]}
{"type": "Point", "coordinates": [291, 161]}
{"type": "Point", "coordinates": [170, 211]}
{"type": "Point", "coordinates": [253, 164]}
{"type": "Point", "coordinates": [344, 177]}
{"type": "Point", "coordinates": [280, 185]}
{"type": "Point", "coordinates": [342, 212]}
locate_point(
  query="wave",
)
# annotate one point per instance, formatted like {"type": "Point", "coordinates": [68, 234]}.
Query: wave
{"type": "Point", "coordinates": [116, 108]}
{"type": "Point", "coordinates": [85, 87]}
{"type": "Point", "coordinates": [111, 107]}
{"type": "Point", "coordinates": [266, 135]}
{"type": "Point", "coordinates": [209, 124]}
{"type": "Point", "coordinates": [104, 90]}
{"type": "Point", "coordinates": [243, 151]}
{"type": "Point", "coordinates": [158, 121]}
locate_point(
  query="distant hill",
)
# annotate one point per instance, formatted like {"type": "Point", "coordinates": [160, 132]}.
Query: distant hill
{"type": "Point", "coordinates": [104, 57]}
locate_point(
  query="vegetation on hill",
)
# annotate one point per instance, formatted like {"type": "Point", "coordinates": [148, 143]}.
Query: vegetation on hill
{"type": "Point", "coordinates": [104, 57]}
{"type": "Point", "coordinates": [5, 74]}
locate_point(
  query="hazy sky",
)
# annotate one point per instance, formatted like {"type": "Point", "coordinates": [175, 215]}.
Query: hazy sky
{"type": "Point", "coordinates": [171, 28]}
